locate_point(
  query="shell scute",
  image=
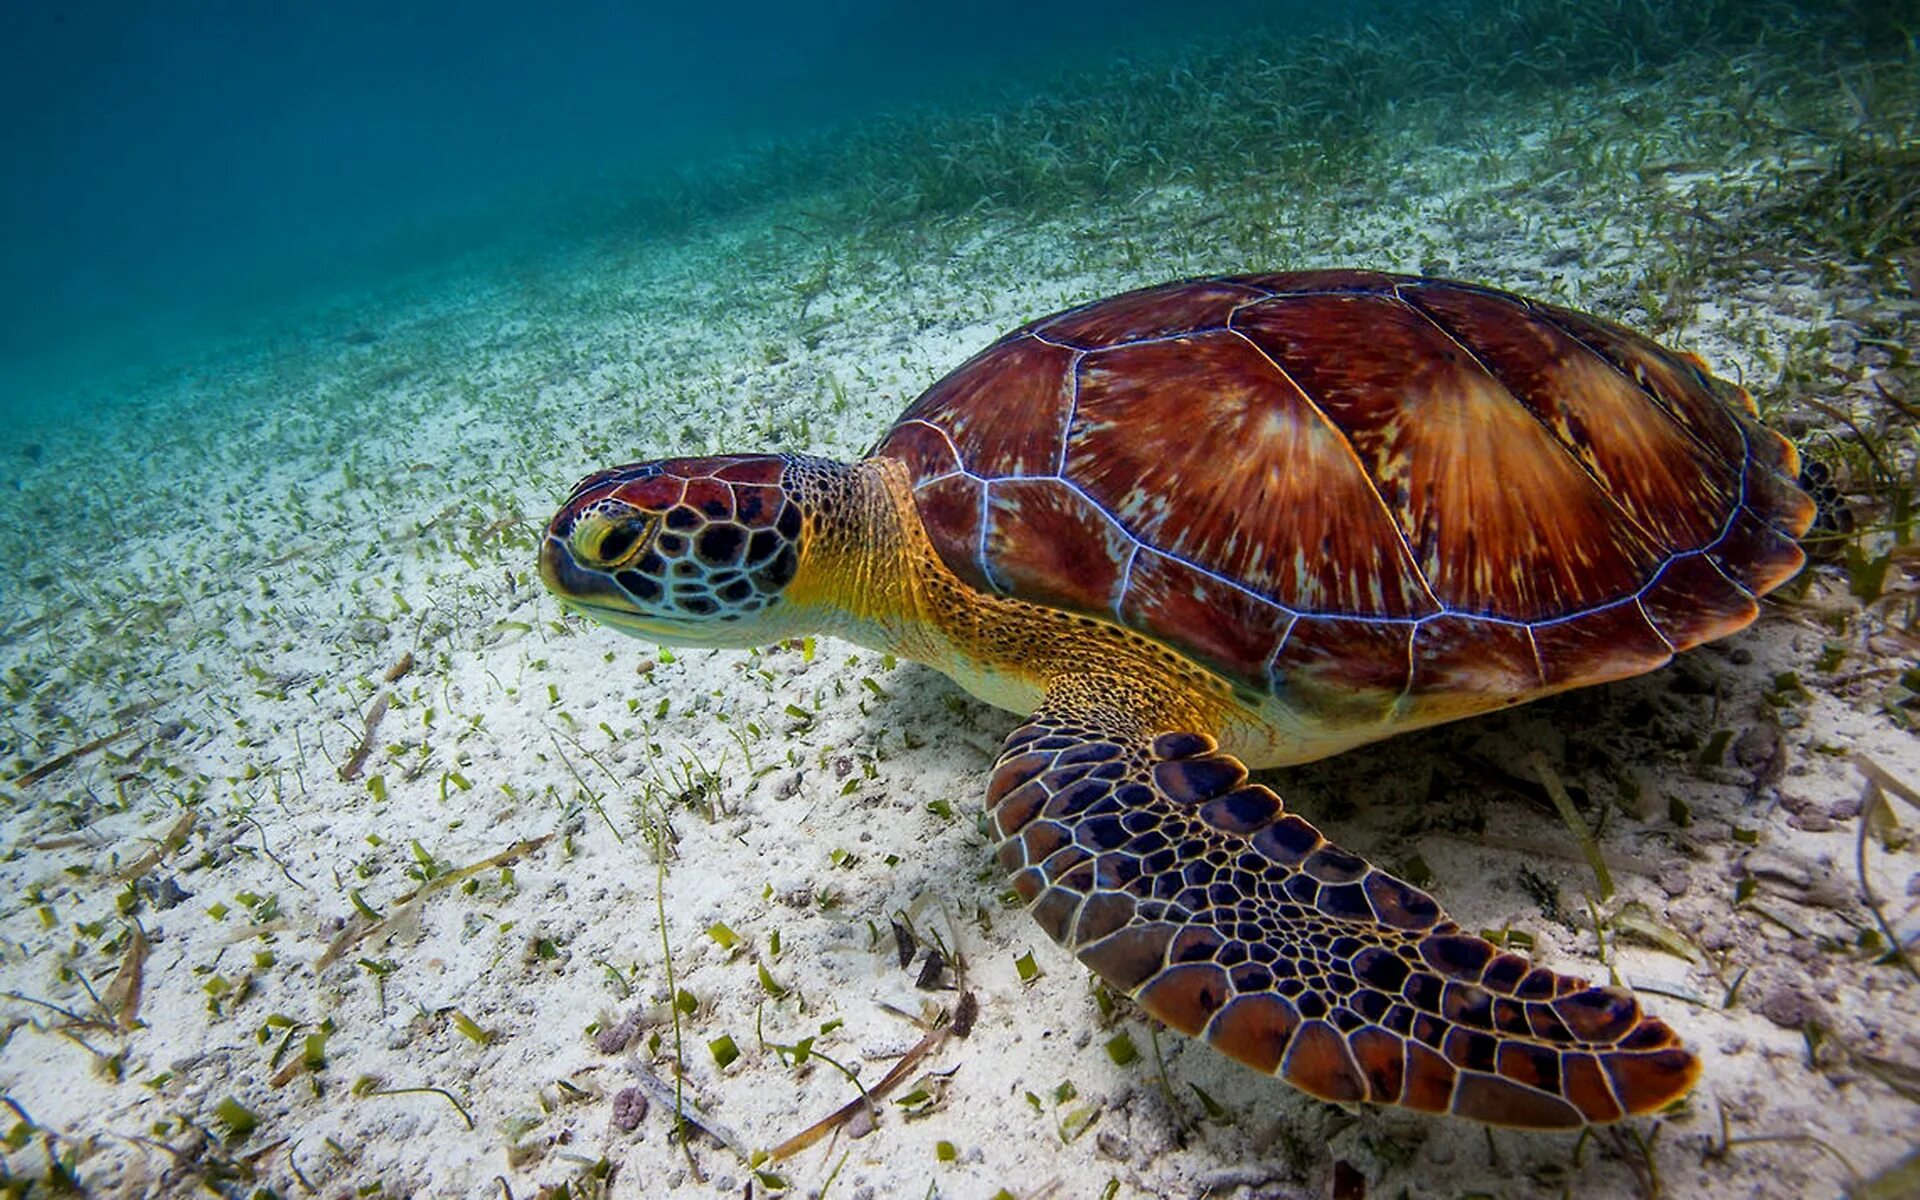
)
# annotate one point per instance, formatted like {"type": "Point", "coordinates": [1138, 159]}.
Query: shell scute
{"type": "Point", "coordinates": [1757, 555]}
{"type": "Point", "coordinates": [1692, 602]}
{"type": "Point", "coordinates": [765, 469]}
{"type": "Point", "coordinates": [1679, 385]}
{"type": "Point", "coordinates": [953, 510]}
{"type": "Point", "coordinates": [925, 449]}
{"type": "Point", "coordinates": [1455, 654]}
{"type": "Point", "coordinates": [1352, 670]}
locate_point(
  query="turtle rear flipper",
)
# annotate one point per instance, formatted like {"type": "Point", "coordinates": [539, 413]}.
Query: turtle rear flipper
{"type": "Point", "coordinates": [1833, 520]}
{"type": "Point", "coordinates": [1230, 919]}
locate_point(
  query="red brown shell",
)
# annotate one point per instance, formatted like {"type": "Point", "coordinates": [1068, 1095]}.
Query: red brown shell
{"type": "Point", "coordinates": [1387, 486]}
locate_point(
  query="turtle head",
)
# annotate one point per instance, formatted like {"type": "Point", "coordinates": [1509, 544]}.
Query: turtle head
{"type": "Point", "coordinates": [687, 551]}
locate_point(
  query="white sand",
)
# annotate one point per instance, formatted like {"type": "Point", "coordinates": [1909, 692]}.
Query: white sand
{"type": "Point", "coordinates": [248, 545]}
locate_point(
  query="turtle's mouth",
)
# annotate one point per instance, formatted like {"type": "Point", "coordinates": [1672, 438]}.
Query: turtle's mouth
{"type": "Point", "coordinates": [664, 630]}
{"type": "Point", "coordinates": [584, 590]}
{"type": "Point", "coordinates": [592, 594]}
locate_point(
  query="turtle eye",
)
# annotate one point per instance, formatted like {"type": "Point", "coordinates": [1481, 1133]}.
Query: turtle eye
{"type": "Point", "coordinates": [608, 542]}
{"type": "Point", "coordinates": [614, 546]}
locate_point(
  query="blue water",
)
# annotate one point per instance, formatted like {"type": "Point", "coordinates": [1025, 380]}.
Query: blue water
{"type": "Point", "coordinates": [176, 171]}
{"type": "Point", "coordinates": [173, 175]}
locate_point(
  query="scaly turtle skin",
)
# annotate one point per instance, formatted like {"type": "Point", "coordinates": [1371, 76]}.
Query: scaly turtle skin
{"type": "Point", "coordinates": [1255, 521]}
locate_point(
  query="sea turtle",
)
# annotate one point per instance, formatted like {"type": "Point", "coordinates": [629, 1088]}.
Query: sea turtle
{"type": "Point", "coordinates": [1244, 522]}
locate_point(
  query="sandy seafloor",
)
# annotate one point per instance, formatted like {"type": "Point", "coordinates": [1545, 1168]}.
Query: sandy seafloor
{"type": "Point", "coordinates": [230, 560]}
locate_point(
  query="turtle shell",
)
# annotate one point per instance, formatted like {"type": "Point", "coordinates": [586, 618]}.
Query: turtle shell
{"type": "Point", "coordinates": [1360, 488]}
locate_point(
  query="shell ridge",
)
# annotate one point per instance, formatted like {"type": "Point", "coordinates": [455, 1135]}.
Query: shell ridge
{"type": "Point", "coordinates": [1073, 411]}
{"type": "Point", "coordinates": [986, 523]}
{"type": "Point", "coordinates": [1442, 610]}
{"type": "Point", "coordinates": [1242, 281]}
{"type": "Point", "coordinates": [1586, 471]}
{"type": "Point", "coordinates": [1406, 688]}
{"type": "Point", "coordinates": [1279, 648]}
{"type": "Point", "coordinates": [1740, 500]}
{"type": "Point", "coordinates": [1155, 339]}
{"type": "Point", "coordinates": [1640, 603]}
{"type": "Point", "coordinates": [1740, 506]}
{"type": "Point", "coordinates": [1539, 664]}
{"type": "Point", "coordinates": [1748, 464]}
{"type": "Point", "coordinates": [1126, 580]}
{"type": "Point", "coordinates": [1373, 485]}
{"type": "Point", "coordinates": [959, 462]}
{"type": "Point", "coordinates": [1632, 597]}
{"type": "Point", "coordinates": [1277, 293]}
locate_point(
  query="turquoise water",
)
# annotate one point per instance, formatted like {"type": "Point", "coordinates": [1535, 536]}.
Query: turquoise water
{"type": "Point", "coordinates": [176, 176]}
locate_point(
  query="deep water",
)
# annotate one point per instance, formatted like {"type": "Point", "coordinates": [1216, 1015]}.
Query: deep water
{"type": "Point", "coordinates": [180, 172]}
{"type": "Point", "coordinates": [178, 178]}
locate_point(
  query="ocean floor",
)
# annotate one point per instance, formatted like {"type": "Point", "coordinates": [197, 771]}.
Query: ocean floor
{"type": "Point", "coordinates": [341, 864]}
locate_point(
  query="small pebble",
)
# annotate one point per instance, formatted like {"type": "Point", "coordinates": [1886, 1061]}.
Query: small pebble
{"type": "Point", "coordinates": [629, 1109]}
{"type": "Point", "coordinates": [1756, 747]}
{"type": "Point", "coordinates": [166, 893]}
{"type": "Point", "coordinates": [1675, 879]}
{"type": "Point", "coordinates": [614, 1038]}
{"type": "Point", "coordinates": [861, 1123]}
{"type": "Point", "coordinates": [1812, 820]}
{"type": "Point", "coordinates": [1789, 1007]}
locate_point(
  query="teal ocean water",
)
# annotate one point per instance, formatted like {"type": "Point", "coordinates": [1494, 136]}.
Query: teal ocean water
{"type": "Point", "coordinates": [337, 857]}
{"type": "Point", "coordinates": [174, 178]}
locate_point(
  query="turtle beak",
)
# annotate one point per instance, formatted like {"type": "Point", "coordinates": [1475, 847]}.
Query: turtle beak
{"type": "Point", "coordinates": [577, 589]}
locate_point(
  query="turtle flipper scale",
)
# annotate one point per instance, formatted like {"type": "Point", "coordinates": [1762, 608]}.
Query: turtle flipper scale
{"type": "Point", "coordinates": [1230, 919]}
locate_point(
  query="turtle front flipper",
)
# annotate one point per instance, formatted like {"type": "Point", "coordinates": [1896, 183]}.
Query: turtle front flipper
{"type": "Point", "coordinates": [1178, 882]}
